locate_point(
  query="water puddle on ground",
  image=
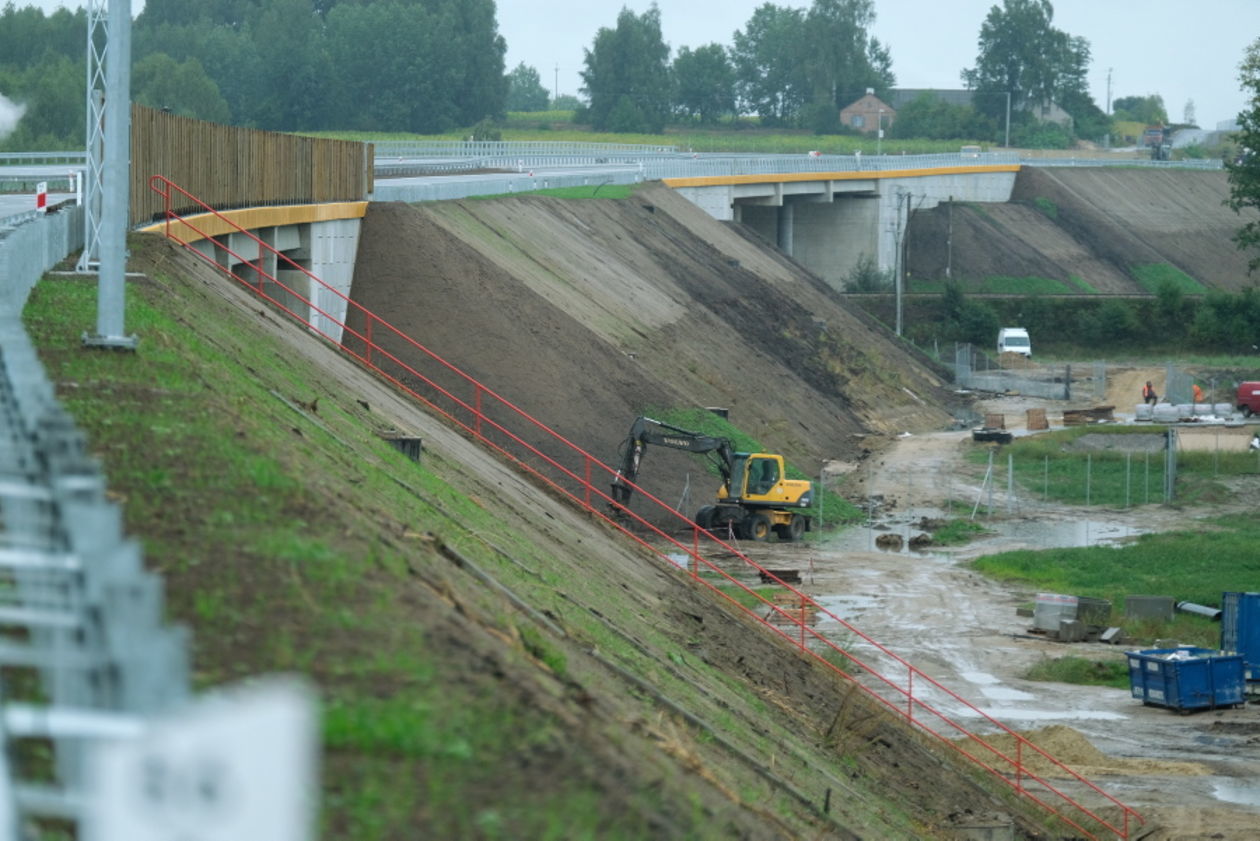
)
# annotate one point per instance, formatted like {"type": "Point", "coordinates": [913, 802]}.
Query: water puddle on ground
{"type": "Point", "coordinates": [899, 532]}
{"type": "Point", "coordinates": [1020, 714]}
{"type": "Point", "coordinates": [992, 688]}
{"type": "Point", "coordinates": [846, 607]}
{"type": "Point", "coordinates": [1245, 792]}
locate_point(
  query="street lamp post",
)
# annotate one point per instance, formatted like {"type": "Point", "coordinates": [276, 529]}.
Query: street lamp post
{"type": "Point", "coordinates": [879, 133]}
{"type": "Point", "coordinates": [1008, 120]}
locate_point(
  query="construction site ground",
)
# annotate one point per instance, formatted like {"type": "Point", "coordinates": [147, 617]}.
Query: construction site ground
{"type": "Point", "coordinates": [586, 314]}
{"type": "Point", "coordinates": [647, 302]}
{"type": "Point", "coordinates": [1192, 776]}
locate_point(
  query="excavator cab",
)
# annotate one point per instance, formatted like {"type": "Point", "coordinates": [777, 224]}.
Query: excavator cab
{"type": "Point", "coordinates": [759, 478]}
{"type": "Point", "coordinates": [752, 475]}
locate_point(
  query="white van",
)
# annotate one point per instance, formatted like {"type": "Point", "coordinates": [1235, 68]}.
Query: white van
{"type": "Point", "coordinates": [1014, 340]}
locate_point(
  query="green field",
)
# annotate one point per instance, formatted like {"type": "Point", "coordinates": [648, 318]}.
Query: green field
{"type": "Point", "coordinates": [745, 138]}
{"type": "Point", "coordinates": [1195, 563]}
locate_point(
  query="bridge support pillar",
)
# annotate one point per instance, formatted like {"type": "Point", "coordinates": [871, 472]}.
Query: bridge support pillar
{"type": "Point", "coordinates": [786, 221]}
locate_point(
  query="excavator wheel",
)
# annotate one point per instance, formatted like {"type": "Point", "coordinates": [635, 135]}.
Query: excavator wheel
{"type": "Point", "coordinates": [757, 526]}
{"type": "Point", "coordinates": [794, 530]}
{"type": "Point", "coordinates": [704, 518]}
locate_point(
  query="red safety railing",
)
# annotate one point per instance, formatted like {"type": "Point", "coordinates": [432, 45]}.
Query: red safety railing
{"type": "Point", "coordinates": [574, 474]}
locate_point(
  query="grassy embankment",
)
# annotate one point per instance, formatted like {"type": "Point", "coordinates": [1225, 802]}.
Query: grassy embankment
{"type": "Point", "coordinates": [1196, 564]}
{"type": "Point", "coordinates": [293, 538]}
{"type": "Point", "coordinates": [231, 492]}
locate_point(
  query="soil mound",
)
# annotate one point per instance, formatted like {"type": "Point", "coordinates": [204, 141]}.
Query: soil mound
{"type": "Point", "coordinates": [589, 313]}
{"type": "Point", "coordinates": [1089, 228]}
{"type": "Point", "coordinates": [1072, 749]}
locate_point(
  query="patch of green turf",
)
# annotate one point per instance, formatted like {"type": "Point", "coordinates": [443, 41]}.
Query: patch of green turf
{"type": "Point", "coordinates": [1151, 276]}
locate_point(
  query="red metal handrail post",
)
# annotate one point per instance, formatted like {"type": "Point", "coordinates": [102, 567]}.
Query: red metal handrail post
{"type": "Point", "coordinates": [477, 409]}
{"type": "Point", "coordinates": [910, 694]}
{"type": "Point", "coordinates": [368, 338]}
{"type": "Point", "coordinates": [1019, 767]}
{"type": "Point", "coordinates": [166, 207]}
{"type": "Point", "coordinates": [587, 482]}
{"type": "Point", "coordinates": [695, 552]}
{"type": "Point", "coordinates": [802, 622]}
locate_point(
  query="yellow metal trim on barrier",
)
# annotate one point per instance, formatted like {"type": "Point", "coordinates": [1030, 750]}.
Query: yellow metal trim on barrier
{"type": "Point", "coordinates": [202, 225]}
{"type": "Point", "coordinates": [860, 175]}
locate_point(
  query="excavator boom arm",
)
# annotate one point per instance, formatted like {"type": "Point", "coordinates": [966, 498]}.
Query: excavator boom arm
{"type": "Point", "coordinates": [646, 431]}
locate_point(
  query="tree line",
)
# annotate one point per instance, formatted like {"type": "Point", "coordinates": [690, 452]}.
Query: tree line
{"type": "Point", "coordinates": [433, 66]}
{"type": "Point", "coordinates": [421, 66]}
{"type": "Point", "coordinates": [1217, 322]}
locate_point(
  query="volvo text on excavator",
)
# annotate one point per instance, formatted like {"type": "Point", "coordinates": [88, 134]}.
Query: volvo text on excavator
{"type": "Point", "coordinates": [756, 497]}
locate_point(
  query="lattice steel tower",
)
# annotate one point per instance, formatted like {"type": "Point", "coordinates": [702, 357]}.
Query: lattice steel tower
{"type": "Point", "coordinates": [107, 181]}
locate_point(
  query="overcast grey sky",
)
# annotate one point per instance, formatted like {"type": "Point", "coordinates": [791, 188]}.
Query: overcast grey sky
{"type": "Point", "coordinates": [1178, 49]}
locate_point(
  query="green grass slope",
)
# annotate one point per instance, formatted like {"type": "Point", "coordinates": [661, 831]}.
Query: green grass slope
{"type": "Point", "coordinates": [493, 664]}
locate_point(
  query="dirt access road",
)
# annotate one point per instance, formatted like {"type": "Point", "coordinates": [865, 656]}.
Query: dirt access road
{"type": "Point", "coordinates": [1190, 776]}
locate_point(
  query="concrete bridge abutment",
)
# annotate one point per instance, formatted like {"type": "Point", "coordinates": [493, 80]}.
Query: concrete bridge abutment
{"type": "Point", "coordinates": [323, 239]}
{"type": "Point", "coordinates": [831, 222]}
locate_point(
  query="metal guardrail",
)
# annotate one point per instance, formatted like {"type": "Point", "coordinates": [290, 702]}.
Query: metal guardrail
{"type": "Point", "coordinates": [42, 158]}
{"type": "Point", "coordinates": [14, 220]}
{"type": "Point", "coordinates": [570, 471]}
{"type": "Point", "coordinates": [525, 174]}
{"type": "Point", "coordinates": [509, 149]}
{"type": "Point", "coordinates": [1141, 163]}
{"type": "Point", "coordinates": [400, 157]}
{"type": "Point", "coordinates": [81, 613]}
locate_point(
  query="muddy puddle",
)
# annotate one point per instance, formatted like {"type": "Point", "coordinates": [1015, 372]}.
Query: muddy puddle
{"type": "Point", "coordinates": [906, 532]}
{"type": "Point", "coordinates": [1241, 791]}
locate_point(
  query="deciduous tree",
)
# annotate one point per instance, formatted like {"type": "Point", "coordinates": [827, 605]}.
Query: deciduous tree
{"type": "Point", "coordinates": [525, 90]}
{"type": "Point", "coordinates": [159, 81]}
{"type": "Point", "coordinates": [842, 60]}
{"type": "Point", "coordinates": [1244, 172]}
{"type": "Point", "coordinates": [627, 75]}
{"type": "Point", "coordinates": [1148, 110]}
{"type": "Point", "coordinates": [704, 83]}
{"type": "Point", "coordinates": [1021, 52]}
{"type": "Point", "coordinates": [929, 117]}
{"type": "Point", "coordinates": [770, 67]}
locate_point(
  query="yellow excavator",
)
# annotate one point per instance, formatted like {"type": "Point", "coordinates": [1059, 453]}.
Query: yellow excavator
{"type": "Point", "coordinates": [756, 497]}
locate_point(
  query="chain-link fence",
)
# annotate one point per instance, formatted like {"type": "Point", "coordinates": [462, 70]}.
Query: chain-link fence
{"type": "Point", "coordinates": [1014, 374]}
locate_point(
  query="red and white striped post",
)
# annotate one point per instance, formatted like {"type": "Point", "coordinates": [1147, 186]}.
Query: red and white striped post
{"type": "Point", "coordinates": [41, 197]}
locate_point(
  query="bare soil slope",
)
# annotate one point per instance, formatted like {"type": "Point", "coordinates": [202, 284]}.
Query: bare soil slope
{"type": "Point", "coordinates": [589, 313]}
{"type": "Point", "coordinates": [1092, 224]}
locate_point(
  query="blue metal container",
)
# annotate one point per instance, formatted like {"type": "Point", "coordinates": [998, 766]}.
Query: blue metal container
{"type": "Point", "coordinates": [1186, 678]}
{"type": "Point", "coordinates": [1240, 629]}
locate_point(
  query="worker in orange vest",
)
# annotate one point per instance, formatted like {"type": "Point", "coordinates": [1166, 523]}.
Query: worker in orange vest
{"type": "Point", "coordinates": [1148, 394]}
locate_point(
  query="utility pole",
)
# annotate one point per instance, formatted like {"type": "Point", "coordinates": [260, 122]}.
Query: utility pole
{"type": "Point", "coordinates": [556, 87]}
{"type": "Point", "coordinates": [1007, 144]}
{"type": "Point", "coordinates": [902, 195]}
{"type": "Point", "coordinates": [115, 182]}
{"type": "Point", "coordinates": [1108, 104]}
